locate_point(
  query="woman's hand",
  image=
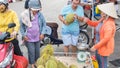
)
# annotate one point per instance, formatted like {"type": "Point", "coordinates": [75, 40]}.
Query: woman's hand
{"type": "Point", "coordinates": [41, 36]}
{"type": "Point", "coordinates": [101, 19]}
{"type": "Point", "coordinates": [93, 49]}
{"type": "Point", "coordinates": [25, 38]}
{"type": "Point", "coordinates": [85, 19]}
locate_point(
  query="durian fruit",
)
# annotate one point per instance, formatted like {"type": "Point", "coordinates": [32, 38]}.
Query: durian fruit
{"type": "Point", "coordinates": [51, 64]}
{"type": "Point", "coordinates": [39, 61]}
{"type": "Point", "coordinates": [40, 66]}
{"type": "Point", "coordinates": [45, 56]}
{"type": "Point", "coordinates": [61, 65]}
{"type": "Point", "coordinates": [42, 60]}
{"type": "Point", "coordinates": [73, 66]}
{"type": "Point", "coordinates": [48, 49]}
{"type": "Point", "coordinates": [69, 18]}
{"type": "Point", "coordinates": [53, 58]}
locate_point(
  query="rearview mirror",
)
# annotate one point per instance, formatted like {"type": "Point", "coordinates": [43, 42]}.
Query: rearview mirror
{"type": "Point", "coordinates": [11, 25]}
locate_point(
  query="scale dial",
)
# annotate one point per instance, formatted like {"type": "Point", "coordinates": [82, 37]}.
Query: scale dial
{"type": "Point", "coordinates": [81, 56]}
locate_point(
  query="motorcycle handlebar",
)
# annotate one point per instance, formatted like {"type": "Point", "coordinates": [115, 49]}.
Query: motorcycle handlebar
{"type": "Point", "coordinates": [4, 36]}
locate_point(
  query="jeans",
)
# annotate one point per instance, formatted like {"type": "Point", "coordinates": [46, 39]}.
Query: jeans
{"type": "Point", "coordinates": [33, 51]}
{"type": "Point", "coordinates": [102, 60]}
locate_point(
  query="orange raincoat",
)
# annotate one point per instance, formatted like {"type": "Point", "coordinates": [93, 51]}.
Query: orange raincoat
{"type": "Point", "coordinates": [107, 32]}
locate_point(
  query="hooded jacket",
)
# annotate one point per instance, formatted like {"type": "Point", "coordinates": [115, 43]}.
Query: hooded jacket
{"type": "Point", "coordinates": [26, 23]}
{"type": "Point", "coordinates": [6, 18]}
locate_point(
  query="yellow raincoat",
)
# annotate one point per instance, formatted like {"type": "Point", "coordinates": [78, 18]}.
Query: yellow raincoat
{"type": "Point", "coordinates": [6, 18]}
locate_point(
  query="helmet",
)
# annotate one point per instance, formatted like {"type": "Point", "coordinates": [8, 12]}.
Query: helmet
{"type": "Point", "coordinates": [5, 2]}
{"type": "Point", "coordinates": [34, 4]}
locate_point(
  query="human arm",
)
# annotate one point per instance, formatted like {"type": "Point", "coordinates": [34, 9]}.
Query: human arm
{"type": "Point", "coordinates": [42, 26]}
{"type": "Point", "coordinates": [63, 14]}
{"type": "Point", "coordinates": [62, 19]}
{"type": "Point", "coordinates": [80, 19]}
{"type": "Point", "coordinates": [16, 21]}
{"type": "Point", "coordinates": [90, 22]}
{"type": "Point", "coordinates": [23, 30]}
{"type": "Point", "coordinates": [17, 27]}
{"type": "Point", "coordinates": [79, 14]}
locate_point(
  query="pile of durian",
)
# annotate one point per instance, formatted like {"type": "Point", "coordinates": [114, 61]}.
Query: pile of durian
{"type": "Point", "coordinates": [48, 60]}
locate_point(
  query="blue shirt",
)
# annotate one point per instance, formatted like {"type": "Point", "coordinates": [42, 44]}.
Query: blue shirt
{"type": "Point", "coordinates": [73, 27]}
{"type": "Point", "coordinates": [97, 35]}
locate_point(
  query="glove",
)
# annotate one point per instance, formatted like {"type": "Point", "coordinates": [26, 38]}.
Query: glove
{"type": "Point", "coordinates": [13, 34]}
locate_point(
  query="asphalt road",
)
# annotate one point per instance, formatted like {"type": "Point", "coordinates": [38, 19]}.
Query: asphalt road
{"type": "Point", "coordinates": [51, 10]}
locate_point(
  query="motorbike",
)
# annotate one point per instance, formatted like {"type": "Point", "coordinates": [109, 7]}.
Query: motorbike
{"type": "Point", "coordinates": [51, 35]}
{"type": "Point", "coordinates": [7, 57]}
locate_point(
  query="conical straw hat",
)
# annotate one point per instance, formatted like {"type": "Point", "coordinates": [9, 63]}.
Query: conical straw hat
{"type": "Point", "coordinates": [109, 9]}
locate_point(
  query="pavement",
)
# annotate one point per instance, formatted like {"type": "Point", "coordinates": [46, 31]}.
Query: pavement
{"type": "Point", "coordinates": [51, 10]}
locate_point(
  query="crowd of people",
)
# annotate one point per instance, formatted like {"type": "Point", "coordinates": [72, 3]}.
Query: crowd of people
{"type": "Point", "coordinates": [32, 26]}
{"type": "Point", "coordinates": [104, 31]}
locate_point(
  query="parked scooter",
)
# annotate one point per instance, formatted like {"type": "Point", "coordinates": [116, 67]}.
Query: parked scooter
{"type": "Point", "coordinates": [7, 57]}
{"type": "Point", "coordinates": [51, 35]}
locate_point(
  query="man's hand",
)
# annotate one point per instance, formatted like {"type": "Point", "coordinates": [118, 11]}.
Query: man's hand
{"type": "Point", "coordinates": [80, 19]}
{"type": "Point", "coordinates": [75, 16]}
{"type": "Point", "coordinates": [65, 22]}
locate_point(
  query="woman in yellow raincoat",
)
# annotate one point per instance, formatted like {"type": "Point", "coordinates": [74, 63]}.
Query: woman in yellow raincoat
{"type": "Point", "coordinates": [8, 16]}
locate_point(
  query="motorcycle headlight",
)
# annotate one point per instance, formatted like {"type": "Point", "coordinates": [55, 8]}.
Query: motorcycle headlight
{"type": "Point", "coordinates": [7, 60]}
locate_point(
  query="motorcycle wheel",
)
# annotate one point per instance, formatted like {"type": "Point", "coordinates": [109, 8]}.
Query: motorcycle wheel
{"type": "Point", "coordinates": [83, 37]}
